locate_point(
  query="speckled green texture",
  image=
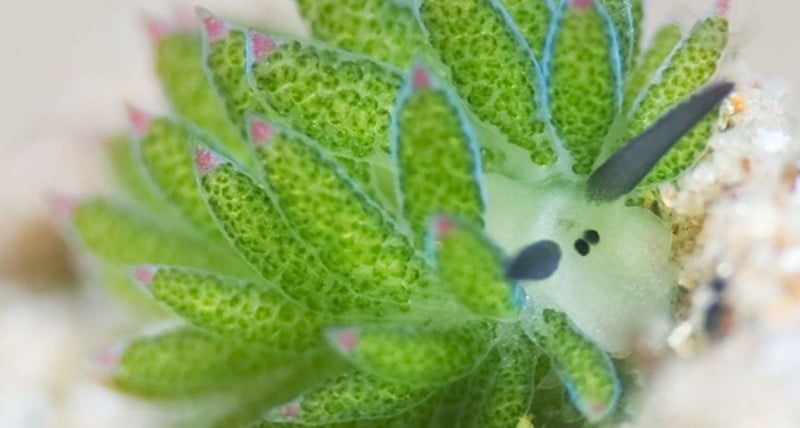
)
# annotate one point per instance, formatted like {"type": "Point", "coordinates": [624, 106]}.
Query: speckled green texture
{"type": "Point", "coordinates": [258, 230]}
{"type": "Point", "coordinates": [118, 284]}
{"type": "Point", "coordinates": [585, 369]}
{"type": "Point", "coordinates": [436, 156]}
{"type": "Point", "coordinates": [583, 83]}
{"type": "Point", "coordinates": [166, 154]}
{"type": "Point", "coordinates": [179, 65]}
{"type": "Point", "coordinates": [473, 268]}
{"type": "Point", "coordinates": [689, 67]}
{"type": "Point", "coordinates": [481, 49]}
{"type": "Point", "coordinates": [637, 15]}
{"type": "Point", "coordinates": [376, 260]}
{"type": "Point", "coordinates": [502, 388]}
{"type": "Point", "coordinates": [620, 15]}
{"type": "Point", "coordinates": [276, 386]}
{"type": "Point", "coordinates": [551, 405]}
{"type": "Point", "coordinates": [241, 311]}
{"type": "Point", "coordinates": [416, 356]}
{"type": "Point", "coordinates": [342, 266]}
{"type": "Point", "coordinates": [441, 409]}
{"type": "Point", "coordinates": [532, 17]}
{"type": "Point", "coordinates": [385, 30]}
{"type": "Point", "coordinates": [342, 101]}
{"type": "Point", "coordinates": [187, 361]}
{"type": "Point", "coordinates": [664, 41]}
{"type": "Point", "coordinates": [351, 397]}
{"type": "Point", "coordinates": [225, 63]}
{"type": "Point", "coordinates": [130, 176]}
{"type": "Point", "coordinates": [690, 149]}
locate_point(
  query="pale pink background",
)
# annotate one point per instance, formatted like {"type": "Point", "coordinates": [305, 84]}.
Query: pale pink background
{"type": "Point", "coordinates": [66, 70]}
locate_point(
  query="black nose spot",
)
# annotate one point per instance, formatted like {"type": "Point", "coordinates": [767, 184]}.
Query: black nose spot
{"type": "Point", "coordinates": [535, 262]}
{"type": "Point", "coordinates": [582, 247]}
{"type": "Point", "coordinates": [592, 236]}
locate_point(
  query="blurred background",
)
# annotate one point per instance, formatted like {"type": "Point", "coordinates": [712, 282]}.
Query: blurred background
{"type": "Point", "coordinates": [68, 68]}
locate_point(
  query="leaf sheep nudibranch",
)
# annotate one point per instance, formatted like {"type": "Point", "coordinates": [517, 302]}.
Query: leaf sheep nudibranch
{"type": "Point", "coordinates": [425, 216]}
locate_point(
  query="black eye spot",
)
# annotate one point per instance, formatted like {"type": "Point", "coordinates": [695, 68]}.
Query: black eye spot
{"type": "Point", "coordinates": [582, 247]}
{"type": "Point", "coordinates": [592, 236]}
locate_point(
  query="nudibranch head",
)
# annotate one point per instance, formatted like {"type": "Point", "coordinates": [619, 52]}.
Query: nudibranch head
{"type": "Point", "coordinates": [611, 288]}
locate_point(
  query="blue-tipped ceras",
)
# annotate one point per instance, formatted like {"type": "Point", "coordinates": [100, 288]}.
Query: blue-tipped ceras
{"type": "Point", "coordinates": [427, 216]}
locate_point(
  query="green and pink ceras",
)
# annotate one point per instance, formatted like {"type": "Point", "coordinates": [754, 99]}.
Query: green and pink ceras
{"type": "Point", "coordinates": [332, 220]}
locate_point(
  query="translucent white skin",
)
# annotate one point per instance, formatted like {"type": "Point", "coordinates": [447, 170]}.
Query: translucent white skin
{"type": "Point", "coordinates": [619, 288]}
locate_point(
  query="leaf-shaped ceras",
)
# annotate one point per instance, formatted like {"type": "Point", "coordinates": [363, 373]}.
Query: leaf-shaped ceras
{"type": "Point", "coordinates": [180, 65]}
{"type": "Point", "coordinates": [378, 261]}
{"type": "Point", "coordinates": [473, 268]}
{"type": "Point", "coordinates": [341, 100]}
{"type": "Point", "coordinates": [584, 79]}
{"type": "Point", "coordinates": [435, 154]}
{"type": "Point", "coordinates": [226, 65]}
{"type": "Point", "coordinates": [413, 355]}
{"type": "Point", "coordinates": [686, 69]}
{"type": "Point", "coordinates": [257, 227]}
{"type": "Point", "coordinates": [242, 311]}
{"type": "Point", "coordinates": [480, 47]}
{"type": "Point", "coordinates": [384, 30]}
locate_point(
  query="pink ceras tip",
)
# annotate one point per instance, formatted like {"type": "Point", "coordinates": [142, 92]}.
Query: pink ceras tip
{"type": "Point", "coordinates": [215, 28]}
{"type": "Point", "coordinates": [260, 131]}
{"type": "Point", "coordinates": [347, 340]}
{"type": "Point", "coordinates": [261, 46]}
{"type": "Point", "coordinates": [443, 226]}
{"type": "Point", "coordinates": [421, 79]}
{"type": "Point", "coordinates": [290, 411]}
{"type": "Point", "coordinates": [596, 411]}
{"type": "Point", "coordinates": [157, 29]}
{"type": "Point", "coordinates": [205, 160]}
{"type": "Point", "coordinates": [107, 359]}
{"type": "Point", "coordinates": [139, 121]}
{"type": "Point", "coordinates": [62, 206]}
{"type": "Point", "coordinates": [581, 4]}
{"type": "Point", "coordinates": [144, 275]}
{"type": "Point", "coordinates": [722, 7]}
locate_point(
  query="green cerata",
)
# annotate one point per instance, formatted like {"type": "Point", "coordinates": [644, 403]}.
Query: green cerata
{"type": "Point", "coordinates": [428, 215]}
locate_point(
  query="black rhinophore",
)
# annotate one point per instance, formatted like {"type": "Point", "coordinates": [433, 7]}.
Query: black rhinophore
{"type": "Point", "coordinates": [625, 169]}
